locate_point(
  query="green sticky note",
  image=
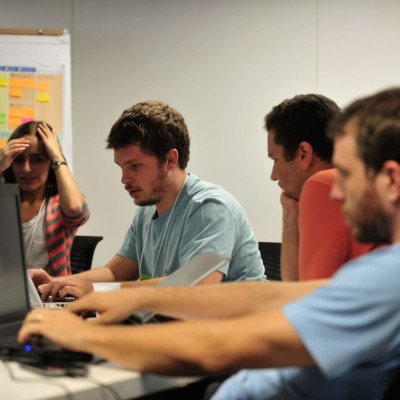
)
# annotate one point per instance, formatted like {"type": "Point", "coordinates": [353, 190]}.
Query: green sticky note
{"type": "Point", "coordinates": [2, 118]}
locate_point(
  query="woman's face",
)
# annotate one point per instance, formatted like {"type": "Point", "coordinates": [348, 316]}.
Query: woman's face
{"type": "Point", "coordinates": [31, 168]}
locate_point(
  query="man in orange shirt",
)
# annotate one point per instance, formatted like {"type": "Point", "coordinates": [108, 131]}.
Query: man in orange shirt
{"type": "Point", "coordinates": [316, 240]}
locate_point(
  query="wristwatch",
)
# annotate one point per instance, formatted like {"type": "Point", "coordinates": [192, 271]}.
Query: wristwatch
{"type": "Point", "coordinates": [57, 164]}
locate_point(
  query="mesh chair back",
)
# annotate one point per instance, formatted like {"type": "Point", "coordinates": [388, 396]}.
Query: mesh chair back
{"type": "Point", "coordinates": [271, 256]}
{"type": "Point", "coordinates": [82, 252]}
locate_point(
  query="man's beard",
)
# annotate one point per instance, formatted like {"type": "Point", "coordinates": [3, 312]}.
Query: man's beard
{"type": "Point", "coordinates": [159, 189]}
{"type": "Point", "coordinates": [371, 224]}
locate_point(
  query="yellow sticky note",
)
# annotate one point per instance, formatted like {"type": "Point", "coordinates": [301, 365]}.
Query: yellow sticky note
{"type": "Point", "coordinates": [16, 92]}
{"type": "Point", "coordinates": [43, 86]}
{"type": "Point", "coordinates": [3, 82]}
{"type": "Point", "coordinates": [43, 97]}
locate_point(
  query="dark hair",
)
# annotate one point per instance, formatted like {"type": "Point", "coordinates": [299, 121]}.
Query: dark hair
{"type": "Point", "coordinates": [378, 134]}
{"type": "Point", "coordinates": [153, 126]}
{"type": "Point", "coordinates": [30, 129]}
{"type": "Point", "coordinates": [303, 118]}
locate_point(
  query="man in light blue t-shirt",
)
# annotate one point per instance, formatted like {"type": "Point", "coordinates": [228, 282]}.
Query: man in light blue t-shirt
{"type": "Point", "coordinates": [337, 339]}
{"type": "Point", "coordinates": [179, 215]}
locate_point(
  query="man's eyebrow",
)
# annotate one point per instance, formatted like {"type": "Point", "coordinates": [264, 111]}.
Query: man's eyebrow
{"type": "Point", "coordinates": [131, 161]}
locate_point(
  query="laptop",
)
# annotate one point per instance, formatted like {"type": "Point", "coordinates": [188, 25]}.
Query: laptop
{"type": "Point", "coordinates": [189, 274]}
{"type": "Point", "coordinates": [14, 299]}
{"type": "Point", "coordinates": [35, 301]}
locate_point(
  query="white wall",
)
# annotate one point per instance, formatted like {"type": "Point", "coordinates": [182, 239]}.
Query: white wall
{"type": "Point", "coordinates": [224, 64]}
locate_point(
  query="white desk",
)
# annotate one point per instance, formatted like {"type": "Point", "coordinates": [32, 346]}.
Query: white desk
{"type": "Point", "coordinates": [128, 384]}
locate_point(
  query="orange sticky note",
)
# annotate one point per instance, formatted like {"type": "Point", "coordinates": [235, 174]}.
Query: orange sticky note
{"type": "Point", "coordinates": [43, 86]}
{"type": "Point", "coordinates": [16, 92]}
{"type": "Point", "coordinates": [16, 83]}
{"type": "Point", "coordinates": [14, 121]}
{"type": "Point", "coordinates": [29, 83]}
{"type": "Point", "coordinates": [2, 143]}
{"type": "Point", "coordinates": [15, 112]}
{"type": "Point", "coordinates": [43, 97]}
{"type": "Point", "coordinates": [28, 112]}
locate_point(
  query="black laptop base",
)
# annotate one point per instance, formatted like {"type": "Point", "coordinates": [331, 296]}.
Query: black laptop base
{"type": "Point", "coordinates": [42, 352]}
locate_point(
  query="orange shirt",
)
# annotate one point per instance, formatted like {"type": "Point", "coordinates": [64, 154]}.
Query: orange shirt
{"type": "Point", "coordinates": [325, 241]}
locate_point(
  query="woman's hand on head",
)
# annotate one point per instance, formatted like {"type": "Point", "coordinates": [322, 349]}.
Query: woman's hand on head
{"type": "Point", "coordinates": [50, 142]}
{"type": "Point", "coordinates": [10, 151]}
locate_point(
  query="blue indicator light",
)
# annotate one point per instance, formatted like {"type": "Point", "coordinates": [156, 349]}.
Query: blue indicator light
{"type": "Point", "coordinates": [28, 347]}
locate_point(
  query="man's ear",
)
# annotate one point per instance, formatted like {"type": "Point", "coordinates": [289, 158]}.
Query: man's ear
{"type": "Point", "coordinates": [172, 159]}
{"type": "Point", "coordinates": [306, 155]}
{"type": "Point", "coordinates": [391, 170]}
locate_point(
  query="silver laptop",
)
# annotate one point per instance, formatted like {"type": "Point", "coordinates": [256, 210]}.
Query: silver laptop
{"type": "Point", "coordinates": [189, 274]}
{"type": "Point", "coordinates": [36, 301]}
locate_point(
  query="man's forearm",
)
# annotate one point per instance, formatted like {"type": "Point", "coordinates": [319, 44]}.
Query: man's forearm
{"type": "Point", "coordinates": [220, 300]}
{"type": "Point", "coordinates": [201, 347]}
{"type": "Point", "coordinates": [290, 246]}
{"type": "Point", "coordinates": [101, 274]}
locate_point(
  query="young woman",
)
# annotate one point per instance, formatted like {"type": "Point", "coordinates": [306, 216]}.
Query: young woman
{"type": "Point", "coordinates": [52, 205]}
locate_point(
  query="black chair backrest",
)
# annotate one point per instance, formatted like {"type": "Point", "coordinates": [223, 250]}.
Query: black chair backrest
{"type": "Point", "coordinates": [271, 256]}
{"type": "Point", "coordinates": [82, 252]}
{"type": "Point", "coordinates": [392, 392]}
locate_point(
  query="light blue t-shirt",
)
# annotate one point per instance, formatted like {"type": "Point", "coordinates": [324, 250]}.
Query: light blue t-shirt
{"type": "Point", "coordinates": [205, 218]}
{"type": "Point", "coordinates": [351, 328]}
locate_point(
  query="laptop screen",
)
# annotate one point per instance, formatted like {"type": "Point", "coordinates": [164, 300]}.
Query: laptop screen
{"type": "Point", "coordinates": [13, 299]}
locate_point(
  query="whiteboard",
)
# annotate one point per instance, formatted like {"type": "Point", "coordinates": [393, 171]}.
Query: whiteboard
{"type": "Point", "coordinates": [35, 83]}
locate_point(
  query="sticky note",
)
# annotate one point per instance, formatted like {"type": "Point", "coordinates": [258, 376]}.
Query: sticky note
{"type": "Point", "coordinates": [24, 119]}
{"type": "Point", "coordinates": [29, 83]}
{"type": "Point", "coordinates": [16, 92]}
{"type": "Point", "coordinates": [28, 112]}
{"type": "Point", "coordinates": [43, 97]}
{"type": "Point", "coordinates": [3, 82]}
{"type": "Point", "coordinates": [43, 86]}
{"type": "Point", "coordinates": [2, 118]}
{"type": "Point", "coordinates": [12, 121]}
{"type": "Point", "coordinates": [16, 83]}
{"type": "Point", "coordinates": [15, 112]}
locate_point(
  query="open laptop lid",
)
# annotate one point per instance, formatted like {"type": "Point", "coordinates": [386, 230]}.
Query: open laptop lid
{"type": "Point", "coordinates": [189, 274]}
{"type": "Point", "coordinates": [13, 291]}
{"type": "Point", "coordinates": [14, 299]}
{"type": "Point", "coordinates": [34, 298]}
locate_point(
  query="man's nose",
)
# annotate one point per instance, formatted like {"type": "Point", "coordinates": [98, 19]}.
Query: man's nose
{"type": "Point", "coordinates": [274, 175]}
{"type": "Point", "coordinates": [125, 177]}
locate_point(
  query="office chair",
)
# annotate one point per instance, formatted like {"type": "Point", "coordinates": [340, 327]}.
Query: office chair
{"type": "Point", "coordinates": [82, 252]}
{"type": "Point", "coordinates": [271, 256]}
{"type": "Point", "coordinates": [392, 392]}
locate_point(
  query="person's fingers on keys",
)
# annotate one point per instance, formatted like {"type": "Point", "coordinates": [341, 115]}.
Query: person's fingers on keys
{"type": "Point", "coordinates": [73, 291]}
{"type": "Point", "coordinates": [55, 291]}
{"type": "Point", "coordinates": [46, 292]}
